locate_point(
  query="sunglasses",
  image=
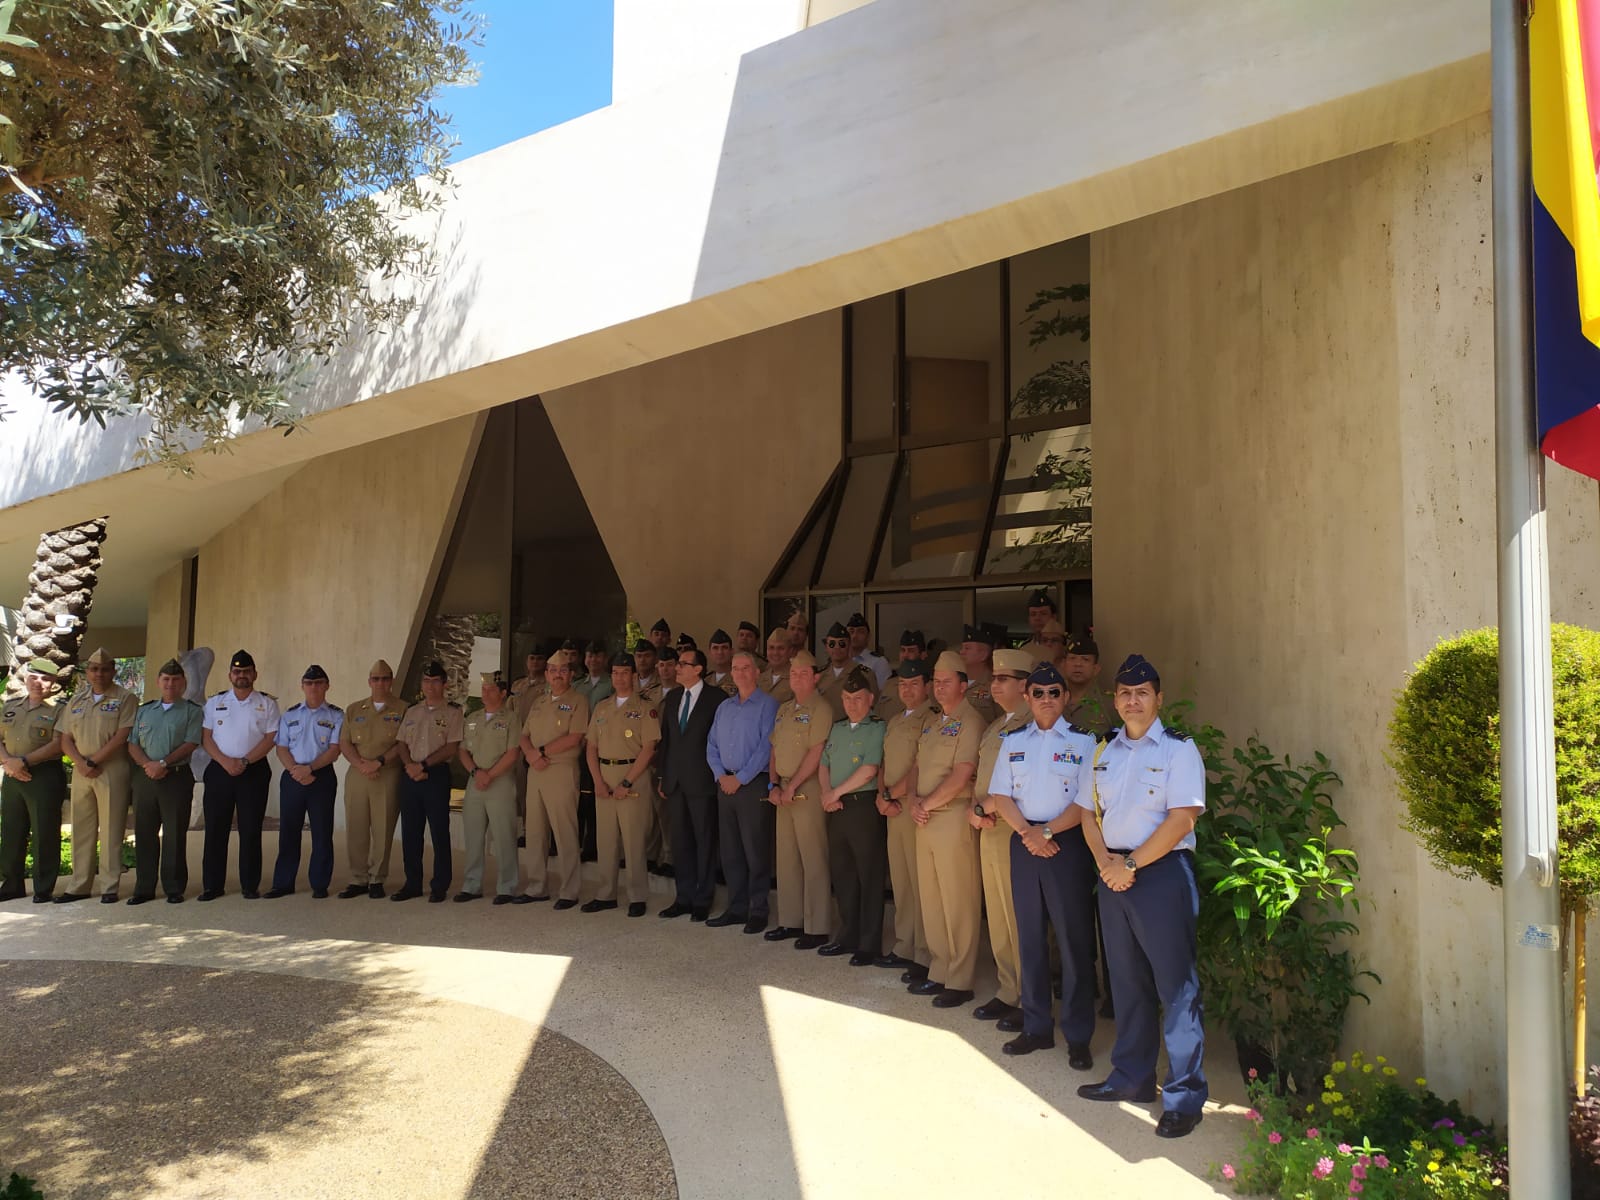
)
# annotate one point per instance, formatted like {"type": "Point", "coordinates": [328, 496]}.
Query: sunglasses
{"type": "Point", "coordinates": [1045, 693]}
{"type": "Point", "coordinates": [837, 641]}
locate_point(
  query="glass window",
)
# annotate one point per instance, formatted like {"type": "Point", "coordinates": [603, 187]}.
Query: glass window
{"type": "Point", "coordinates": [845, 563]}
{"type": "Point", "coordinates": [955, 368]}
{"type": "Point", "coordinates": [873, 351]}
{"type": "Point", "coordinates": [776, 611]}
{"type": "Point", "coordinates": [839, 606]}
{"type": "Point", "coordinates": [1049, 335]}
{"type": "Point", "coordinates": [1006, 607]}
{"type": "Point", "coordinates": [798, 573]}
{"type": "Point", "coordinates": [1043, 520]}
{"type": "Point", "coordinates": [937, 513]}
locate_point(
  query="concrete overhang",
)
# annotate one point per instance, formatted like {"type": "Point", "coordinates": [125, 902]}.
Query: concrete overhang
{"type": "Point", "coordinates": [895, 143]}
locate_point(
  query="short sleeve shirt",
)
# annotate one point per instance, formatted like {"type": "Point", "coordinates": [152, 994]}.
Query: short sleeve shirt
{"type": "Point", "coordinates": [523, 693]}
{"type": "Point", "coordinates": [26, 729]}
{"type": "Point", "coordinates": [238, 725]}
{"type": "Point", "coordinates": [979, 696]}
{"type": "Point", "coordinates": [776, 686]}
{"type": "Point", "coordinates": [487, 736]}
{"type": "Point", "coordinates": [989, 747]}
{"type": "Point", "coordinates": [900, 741]}
{"type": "Point", "coordinates": [1044, 770]}
{"type": "Point", "coordinates": [158, 732]}
{"type": "Point", "coordinates": [621, 731]}
{"type": "Point", "coordinates": [308, 732]}
{"type": "Point", "coordinates": [1136, 783]}
{"type": "Point", "coordinates": [800, 725]}
{"type": "Point", "coordinates": [830, 687]}
{"type": "Point", "coordinates": [947, 740]}
{"type": "Point", "coordinates": [427, 730]}
{"type": "Point", "coordinates": [852, 746]}
{"type": "Point", "coordinates": [91, 722]}
{"type": "Point", "coordinates": [553, 716]}
{"type": "Point", "coordinates": [371, 730]}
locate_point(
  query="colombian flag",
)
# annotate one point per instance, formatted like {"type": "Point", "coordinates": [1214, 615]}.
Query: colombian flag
{"type": "Point", "coordinates": [1564, 74]}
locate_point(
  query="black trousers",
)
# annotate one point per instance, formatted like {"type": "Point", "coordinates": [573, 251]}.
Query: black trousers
{"type": "Point", "coordinates": [426, 803]}
{"type": "Point", "coordinates": [588, 851]}
{"type": "Point", "coordinates": [226, 796]}
{"type": "Point", "coordinates": [32, 809]}
{"type": "Point", "coordinates": [747, 825]}
{"type": "Point", "coordinates": [858, 860]}
{"type": "Point", "coordinates": [1056, 892]}
{"type": "Point", "coordinates": [296, 802]}
{"type": "Point", "coordinates": [694, 817]}
{"type": "Point", "coordinates": [161, 809]}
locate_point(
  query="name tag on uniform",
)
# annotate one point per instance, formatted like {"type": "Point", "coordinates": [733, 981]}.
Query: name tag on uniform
{"type": "Point", "coordinates": [358, 720]}
{"type": "Point", "coordinates": [1155, 768]}
{"type": "Point", "coordinates": [295, 724]}
{"type": "Point", "coordinates": [1100, 766]}
{"type": "Point", "coordinates": [1017, 756]}
{"type": "Point", "coordinates": [394, 718]}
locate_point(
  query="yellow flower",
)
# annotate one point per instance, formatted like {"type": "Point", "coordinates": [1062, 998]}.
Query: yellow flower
{"type": "Point", "coordinates": [1433, 1166]}
{"type": "Point", "coordinates": [1327, 1081]}
{"type": "Point", "coordinates": [1338, 1068]}
{"type": "Point", "coordinates": [1327, 1097]}
{"type": "Point", "coordinates": [1390, 1071]}
{"type": "Point", "coordinates": [1416, 1144]}
{"type": "Point", "coordinates": [1311, 1108]}
{"type": "Point", "coordinates": [1382, 1060]}
{"type": "Point", "coordinates": [1366, 1068]}
{"type": "Point", "coordinates": [1421, 1082]}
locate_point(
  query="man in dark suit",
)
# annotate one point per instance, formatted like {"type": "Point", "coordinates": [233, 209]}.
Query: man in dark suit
{"type": "Point", "coordinates": [689, 786]}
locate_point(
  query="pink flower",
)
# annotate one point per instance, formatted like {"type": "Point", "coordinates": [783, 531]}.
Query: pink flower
{"type": "Point", "coordinates": [1323, 1169]}
{"type": "Point", "coordinates": [1253, 1115]}
{"type": "Point", "coordinates": [1313, 1133]}
{"type": "Point", "coordinates": [1344, 1147]}
{"type": "Point", "coordinates": [1227, 1171]}
{"type": "Point", "coordinates": [1355, 1187]}
{"type": "Point", "coordinates": [1383, 1162]}
{"type": "Point", "coordinates": [1252, 1072]}
{"type": "Point", "coordinates": [1274, 1137]}
{"type": "Point", "coordinates": [1358, 1172]}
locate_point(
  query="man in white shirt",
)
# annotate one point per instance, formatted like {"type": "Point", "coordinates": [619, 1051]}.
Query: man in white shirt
{"type": "Point", "coordinates": [239, 730]}
{"type": "Point", "coordinates": [860, 635]}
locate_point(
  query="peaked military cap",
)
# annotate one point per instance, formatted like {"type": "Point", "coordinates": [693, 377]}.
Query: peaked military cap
{"type": "Point", "coordinates": [48, 669]}
{"type": "Point", "coordinates": [1137, 669]}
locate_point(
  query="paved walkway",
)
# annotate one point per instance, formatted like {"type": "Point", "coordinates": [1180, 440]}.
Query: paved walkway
{"type": "Point", "coordinates": [301, 1048]}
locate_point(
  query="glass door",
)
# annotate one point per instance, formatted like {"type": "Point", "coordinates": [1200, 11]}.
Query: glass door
{"type": "Point", "coordinates": [940, 615]}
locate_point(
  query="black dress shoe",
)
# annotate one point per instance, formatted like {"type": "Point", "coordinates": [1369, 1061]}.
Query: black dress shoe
{"type": "Point", "coordinates": [1104, 1091]}
{"type": "Point", "coordinates": [810, 941]}
{"type": "Point", "coordinates": [436, 897]}
{"type": "Point", "coordinates": [319, 893]}
{"type": "Point", "coordinates": [914, 973]}
{"type": "Point", "coordinates": [375, 890]}
{"type": "Point", "coordinates": [726, 918]}
{"type": "Point", "coordinates": [1027, 1043]}
{"type": "Point", "coordinates": [994, 1010]}
{"type": "Point", "coordinates": [755, 924]}
{"type": "Point", "coordinates": [1078, 1056]}
{"type": "Point", "coordinates": [673, 910]}
{"type": "Point", "coordinates": [136, 900]}
{"type": "Point", "coordinates": [204, 896]}
{"type": "Point", "coordinates": [667, 871]}
{"type": "Point", "coordinates": [782, 933]}
{"type": "Point", "coordinates": [17, 895]}
{"type": "Point", "coordinates": [1177, 1124]}
{"type": "Point", "coordinates": [832, 949]}
{"type": "Point", "coordinates": [176, 899]}
{"type": "Point", "coordinates": [353, 890]}
{"type": "Point", "coordinates": [636, 909]}
{"type": "Point", "coordinates": [524, 898]}
{"type": "Point", "coordinates": [108, 898]}
{"type": "Point", "coordinates": [251, 895]}
{"type": "Point", "coordinates": [953, 998]}
{"type": "Point", "coordinates": [43, 898]}
{"type": "Point", "coordinates": [69, 897]}
{"type": "Point", "coordinates": [858, 959]}
{"type": "Point", "coordinates": [599, 906]}
{"type": "Point", "coordinates": [563, 904]}
{"type": "Point", "coordinates": [893, 960]}
{"type": "Point", "coordinates": [463, 897]}
{"type": "Point", "coordinates": [406, 893]}
{"type": "Point", "coordinates": [925, 987]}
{"type": "Point", "coordinates": [1009, 1024]}
{"type": "Point", "coordinates": [696, 915]}
{"type": "Point", "coordinates": [277, 893]}
{"type": "Point", "coordinates": [502, 898]}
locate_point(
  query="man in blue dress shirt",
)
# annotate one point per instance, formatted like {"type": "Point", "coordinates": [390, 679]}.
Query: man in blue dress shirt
{"type": "Point", "coordinates": [308, 744]}
{"type": "Point", "coordinates": [1148, 789]}
{"type": "Point", "coordinates": [737, 752]}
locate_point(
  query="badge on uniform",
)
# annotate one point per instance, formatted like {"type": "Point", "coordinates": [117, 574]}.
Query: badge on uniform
{"type": "Point", "coordinates": [802, 718]}
{"type": "Point", "coordinates": [1018, 756]}
{"type": "Point", "coordinates": [627, 733]}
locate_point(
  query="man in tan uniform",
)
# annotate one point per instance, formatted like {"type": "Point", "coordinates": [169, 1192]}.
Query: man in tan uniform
{"type": "Point", "coordinates": [805, 904]}
{"type": "Point", "coordinates": [658, 847]}
{"type": "Point", "coordinates": [747, 640]}
{"type": "Point", "coordinates": [1048, 643]}
{"type": "Point", "coordinates": [719, 663]}
{"type": "Point", "coordinates": [977, 648]}
{"type": "Point", "coordinates": [833, 673]}
{"type": "Point", "coordinates": [775, 675]}
{"type": "Point", "coordinates": [912, 709]}
{"type": "Point", "coordinates": [552, 740]}
{"type": "Point", "coordinates": [372, 784]}
{"type": "Point", "coordinates": [430, 735]}
{"type": "Point", "coordinates": [623, 732]}
{"type": "Point", "coordinates": [489, 753]}
{"type": "Point", "coordinates": [799, 627]}
{"type": "Point", "coordinates": [534, 683]}
{"type": "Point", "coordinates": [1041, 610]}
{"type": "Point", "coordinates": [94, 727]}
{"type": "Point", "coordinates": [645, 657]}
{"type": "Point", "coordinates": [947, 848]}
{"type": "Point", "coordinates": [1009, 685]}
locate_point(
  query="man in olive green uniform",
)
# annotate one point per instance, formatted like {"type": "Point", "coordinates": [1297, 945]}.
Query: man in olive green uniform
{"type": "Point", "coordinates": [852, 760]}
{"type": "Point", "coordinates": [489, 808]}
{"type": "Point", "coordinates": [552, 740]}
{"type": "Point", "coordinates": [1088, 707]}
{"type": "Point", "coordinates": [622, 737]}
{"type": "Point", "coordinates": [719, 663]}
{"type": "Point", "coordinates": [911, 711]}
{"type": "Point", "coordinates": [947, 848]}
{"type": "Point", "coordinates": [747, 640]}
{"type": "Point", "coordinates": [166, 731]}
{"type": "Point", "coordinates": [798, 736]}
{"type": "Point", "coordinates": [1009, 685]}
{"type": "Point", "coordinates": [94, 727]}
{"type": "Point", "coordinates": [35, 784]}
{"type": "Point", "coordinates": [645, 657]}
{"type": "Point", "coordinates": [658, 846]}
{"type": "Point", "coordinates": [372, 784]}
{"type": "Point", "coordinates": [775, 675]}
{"type": "Point", "coordinates": [831, 676]}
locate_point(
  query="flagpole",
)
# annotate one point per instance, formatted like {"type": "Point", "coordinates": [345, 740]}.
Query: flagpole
{"type": "Point", "coordinates": [1535, 1038]}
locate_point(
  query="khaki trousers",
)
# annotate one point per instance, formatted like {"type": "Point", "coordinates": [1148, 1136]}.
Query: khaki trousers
{"type": "Point", "coordinates": [99, 808]}
{"type": "Point", "coordinates": [994, 852]}
{"type": "Point", "coordinates": [371, 808]}
{"type": "Point", "coordinates": [952, 894]}
{"type": "Point", "coordinates": [910, 936]}
{"type": "Point", "coordinates": [552, 807]}
{"type": "Point", "coordinates": [659, 847]}
{"type": "Point", "coordinates": [804, 899]}
{"type": "Point", "coordinates": [491, 813]}
{"type": "Point", "coordinates": [622, 829]}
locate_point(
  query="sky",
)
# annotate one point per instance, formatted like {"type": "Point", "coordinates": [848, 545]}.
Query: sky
{"type": "Point", "coordinates": [542, 62]}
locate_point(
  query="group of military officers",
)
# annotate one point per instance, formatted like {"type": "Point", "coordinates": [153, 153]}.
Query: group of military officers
{"type": "Point", "coordinates": [985, 780]}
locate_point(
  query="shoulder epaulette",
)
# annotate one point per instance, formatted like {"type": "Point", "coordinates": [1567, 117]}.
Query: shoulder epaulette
{"type": "Point", "coordinates": [1018, 729]}
{"type": "Point", "coordinates": [268, 695]}
{"type": "Point", "coordinates": [452, 704]}
{"type": "Point", "coordinates": [292, 707]}
{"type": "Point", "coordinates": [1173, 733]}
{"type": "Point", "coordinates": [1071, 728]}
{"type": "Point", "coordinates": [336, 708]}
{"type": "Point", "coordinates": [223, 692]}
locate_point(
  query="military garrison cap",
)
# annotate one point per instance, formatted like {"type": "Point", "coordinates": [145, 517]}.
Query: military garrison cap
{"type": "Point", "coordinates": [983, 634]}
{"type": "Point", "coordinates": [668, 654]}
{"type": "Point", "coordinates": [687, 642]}
{"type": "Point", "coordinates": [949, 660]}
{"type": "Point", "coordinates": [836, 630]}
{"type": "Point", "coordinates": [661, 626]}
{"type": "Point", "coordinates": [623, 659]}
{"type": "Point", "coordinates": [1083, 644]}
{"type": "Point", "coordinates": [1046, 675]}
{"type": "Point", "coordinates": [1137, 669]}
{"type": "Point", "coordinates": [241, 661]}
{"type": "Point", "coordinates": [1040, 599]}
{"type": "Point", "coordinates": [314, 674]}
{"type": "Point", "coordinates": [495, 678]}
{"type": "Point", "coordinates": [856, 621]}
{"type": "Point", "coordinates": [860, 680]}
{"type": "Point", "coordinates": [1013, 662]}
{"type": "Point", "coordinates": [595, 648]}
{"type": "Point", "coordinates": [804, 658]}
{"type": "Point", "coordinates": [434, 670]}
{"type": "Point", "coordinates": [171, 667]}
{"type": "Point", "coordinates": [643, 647]}
{"type": "Point", "coordinates": [746, 627]}
{"type": "Point", "coordinates": [720, 637]}
{"type": "Point", "coordinates": [913, 637]}
{"type": "Point", "coordinates": [914, 668]}
{"type": "Point", "coordinates": [100, 658]}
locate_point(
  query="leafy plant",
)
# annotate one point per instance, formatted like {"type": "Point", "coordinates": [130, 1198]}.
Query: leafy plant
{"type": "Point", "coordinates": [20, 1187]}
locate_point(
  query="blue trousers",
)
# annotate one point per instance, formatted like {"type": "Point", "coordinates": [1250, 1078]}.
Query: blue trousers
{"type": "Point", "coordinates": [1150, 951]}
{"type": "Point", "coordinates": [296, 802]}
{"type": "Point", "coordinates": [1057, 891]}
{"type": "Point", "coordinates": [426, 803]}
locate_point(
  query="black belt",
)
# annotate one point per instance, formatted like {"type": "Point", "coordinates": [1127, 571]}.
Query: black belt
{"type": "Point", "coordinates": [618, 762]}
{"type": "Point", "coordinates": [869, 793]}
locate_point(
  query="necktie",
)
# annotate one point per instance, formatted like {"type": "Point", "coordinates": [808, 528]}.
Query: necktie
{"type": "Point", "coordinates": [683, 712]}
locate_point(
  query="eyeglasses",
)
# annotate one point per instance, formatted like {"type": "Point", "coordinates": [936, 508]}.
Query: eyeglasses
{"type": "Point", "coordinates": [837, 641]}
{"type": "Point", "coordinates": [1045, 693]}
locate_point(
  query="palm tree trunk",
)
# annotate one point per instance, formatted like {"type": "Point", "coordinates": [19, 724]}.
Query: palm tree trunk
{"type": "Point", "coordinates": [66, 568]}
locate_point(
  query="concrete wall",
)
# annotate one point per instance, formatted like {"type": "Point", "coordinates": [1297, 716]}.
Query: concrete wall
{"type": "Point", "coordinates": [166, 628]}
{"type": "Point", "coordinates": [1294, 499]}
{"type": "Point", "coordinates": [736, 440]}
{"type": "Point", "coordinates": [659, 42]}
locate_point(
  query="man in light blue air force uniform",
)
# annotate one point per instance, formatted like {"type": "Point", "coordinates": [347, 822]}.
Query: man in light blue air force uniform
{"type": "Point", "coordinates": [308, 744]}
{"type": "Point", "coordinates": [1149, 788]}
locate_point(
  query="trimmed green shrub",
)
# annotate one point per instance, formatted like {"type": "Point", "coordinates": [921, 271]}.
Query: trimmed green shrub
{"type": "Point", "coordinates": [1445, 740]}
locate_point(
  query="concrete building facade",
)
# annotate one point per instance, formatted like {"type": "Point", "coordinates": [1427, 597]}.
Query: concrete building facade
{"type": "Point", "coordinates": [772, 304]}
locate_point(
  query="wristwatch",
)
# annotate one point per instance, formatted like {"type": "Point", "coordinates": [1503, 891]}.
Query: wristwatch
{"type": "Point", "coordinates": [627, 785]}
{"type": "Point", "coordinates": [1127, 861]}
{"type": "Point", "coordinates": [1048, 833]}
{"type": "Point", "coordinates": [541, 751]}
{"type": "Point", "coordinates": [978, 808]}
